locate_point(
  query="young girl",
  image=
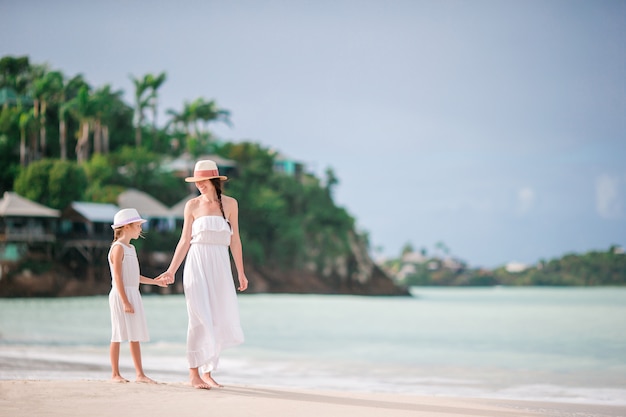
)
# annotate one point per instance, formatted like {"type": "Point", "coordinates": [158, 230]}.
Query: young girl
{"type": "Point", "coordinates": [128, 321]}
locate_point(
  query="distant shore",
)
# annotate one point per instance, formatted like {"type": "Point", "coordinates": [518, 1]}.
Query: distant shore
{"type": "Point", "coordinates": [100, 398]}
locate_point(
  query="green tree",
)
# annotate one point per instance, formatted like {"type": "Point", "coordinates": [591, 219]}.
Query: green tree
{"type": "Point", "coordinates": [46, 88]}
{"type": "Point", "coordinates": [143, 100]}
{"type": "Point", "coordinates": [33, 181]}
{"type": "Point", "coordinates": [191, 117]}
{"type": "Point", "coordinates": [82, 108]}
{"type": "Point", "coordinates": [67, 183]}
{"type": "Point", "coordinates": [67, 95]}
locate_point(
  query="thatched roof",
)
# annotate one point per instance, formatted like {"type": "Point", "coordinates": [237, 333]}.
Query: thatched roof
{"type": "Point", "coordinates": [146, 205]}
{"type": "Point", "coordinates": [14, 205]}
{"type": "Point", "coordinates": [177, 211]}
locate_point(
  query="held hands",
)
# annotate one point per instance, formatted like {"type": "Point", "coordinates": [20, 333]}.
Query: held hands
{"type": "Point", "coordinates": [165, 278]}
{"type": "Point", "coordinates": [160, 282]}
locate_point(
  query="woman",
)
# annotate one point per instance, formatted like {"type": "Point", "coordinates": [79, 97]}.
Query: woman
{"type": "Point", "coordinates": [210, 227]}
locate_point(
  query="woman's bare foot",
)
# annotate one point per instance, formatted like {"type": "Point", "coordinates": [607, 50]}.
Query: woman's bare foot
{"type": "Point", "coordinates": [209, 380]}
{"type": "Point", "coordinates": [199, 383]}
{"type": "Point", "coordinates": [118, 378]}
{"type": "Point", "coordinates": [145, 380]}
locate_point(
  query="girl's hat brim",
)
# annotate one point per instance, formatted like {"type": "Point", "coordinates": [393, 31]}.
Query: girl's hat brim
{"type": "Point", "coordinates": [115, 226]}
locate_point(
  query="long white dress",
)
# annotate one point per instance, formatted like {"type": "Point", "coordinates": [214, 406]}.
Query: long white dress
{"type": "Point", "coordinates": [127, 326]}
{"type": "Point", "coordinates": [210, 294]}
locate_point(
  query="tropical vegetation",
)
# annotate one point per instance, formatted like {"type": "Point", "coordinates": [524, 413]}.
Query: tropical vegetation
{"type": "Point", "coordinates": [63, 139]}
{"type": "Point", "coordinates": [441, 269]}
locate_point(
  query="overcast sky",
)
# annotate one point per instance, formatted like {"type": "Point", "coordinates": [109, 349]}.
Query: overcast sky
{"type": "Point", "coordinates": [496, 127]}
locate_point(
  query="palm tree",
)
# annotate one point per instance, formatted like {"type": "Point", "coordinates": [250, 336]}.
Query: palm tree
{"type": "Point", "coordinates": [155, 83]}
{"type": "Point", "coordinates": [67, 93]}
{"type": "Point", "coordinates": [142, 102]}
{"type": "Point", "coordinates": [46, 89]}
{"type": "Point", "coordinates": [26, 124]}
{"type": "Point", "coordinates": [195, 112]}
{"type": "Point", "coordinates": [81, 107]}
{"type": "Point", "coordinates": [106, 104]}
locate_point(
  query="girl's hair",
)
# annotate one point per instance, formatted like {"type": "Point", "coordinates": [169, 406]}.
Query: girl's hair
{"type": "Point", "coordinates": [117, 232]}
{"type": "Point", "coordinates": [217, 184]}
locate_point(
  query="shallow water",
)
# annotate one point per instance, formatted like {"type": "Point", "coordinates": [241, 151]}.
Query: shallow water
{"type": "Point", "coordinates": [558, 344]}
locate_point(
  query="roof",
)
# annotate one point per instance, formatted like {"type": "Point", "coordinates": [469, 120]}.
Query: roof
{"type": "Point", "coordinates": [178, 210]}
{"type": "Point", "coordinates": [185, 163]}
{"type": "Point", "coordinates": [93, 212]}
{"type": "Point", "coordinates": [146, 205]}
{"type": "Point", "coordinates": [14, 205]}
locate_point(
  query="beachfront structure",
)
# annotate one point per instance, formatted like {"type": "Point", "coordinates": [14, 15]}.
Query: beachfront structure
{"type": "Point", "coordinates": [83, 219]}
{"type": "Point", "coordinates": [22, 220]}
{"type": "Point", "coordinates": [23, 224]}
{"type": "Point", "coordinates": [86, 229]}
{"type": "Point", "coordinates": [288, 166]}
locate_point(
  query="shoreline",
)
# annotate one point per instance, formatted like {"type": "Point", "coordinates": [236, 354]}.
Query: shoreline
{"type": "Point", "coordinates": [102, 398]}
{"type": "Point", "coordinates": [20, 363]}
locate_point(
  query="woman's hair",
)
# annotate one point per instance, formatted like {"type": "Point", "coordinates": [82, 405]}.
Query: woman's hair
{"type": "Point", "coordinates": [217, 184]}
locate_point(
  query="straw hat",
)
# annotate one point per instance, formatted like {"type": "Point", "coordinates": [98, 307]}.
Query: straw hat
{"type": "Point", "coordinates": [126, 216]}
{"type": "Point", "coordinates": [205, 170]}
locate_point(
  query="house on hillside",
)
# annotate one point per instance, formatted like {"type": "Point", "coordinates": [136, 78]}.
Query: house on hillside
{"type": "Point", "coordinates": [23, 220]}
{"type": "Point", "coordinates": [288, 166]}
{"type": "Point", "coordinates": [23, 225]}
{"type": "Point", "coordinates": [86, 229]}
{"type": "Point", "coordinates": [158, 215]}
{"type": "Point", "coordinates": [85, 220]}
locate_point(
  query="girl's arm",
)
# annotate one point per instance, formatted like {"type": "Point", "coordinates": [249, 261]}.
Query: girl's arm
{"type": "Point", "coordinates": [117, 256]}
{"type": "Point", "coordinates": [151, 281]}
{"type": "Point", "coordinates": [235, 242]}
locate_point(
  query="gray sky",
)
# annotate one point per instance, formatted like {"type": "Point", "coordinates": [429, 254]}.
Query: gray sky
{"type": "Point", "coordinates": [497, 127]}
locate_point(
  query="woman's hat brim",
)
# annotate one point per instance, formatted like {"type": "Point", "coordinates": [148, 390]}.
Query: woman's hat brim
{"type": "Point", "coordinates": [196, 179]}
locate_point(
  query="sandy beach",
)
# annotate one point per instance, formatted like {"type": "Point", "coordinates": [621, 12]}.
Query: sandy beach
{"type": "Point", "coordinates": [100, 398]}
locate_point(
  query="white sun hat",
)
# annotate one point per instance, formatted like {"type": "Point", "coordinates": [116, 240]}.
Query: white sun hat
{"type": "Point", "coordinates": [126, 216]}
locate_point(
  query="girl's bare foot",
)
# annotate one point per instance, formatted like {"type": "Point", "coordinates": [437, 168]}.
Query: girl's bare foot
{"type": "Point", "coordinates": [199, 383]}
{"type": "Point", "coordinates": [209, 380]}
{"type": "Point", "coordinates": [145, 380]}
{"type": "Point", "coordinates": [118, 378]}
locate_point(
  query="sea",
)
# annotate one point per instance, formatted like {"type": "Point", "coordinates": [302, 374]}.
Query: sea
{"type": "Point", "coordinates": [523, 343]}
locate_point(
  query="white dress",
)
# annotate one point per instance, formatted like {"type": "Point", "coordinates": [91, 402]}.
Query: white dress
{"type": "Point", "coordinates": [210, 294]}
{"type": "Point", "coordinates": [127, 326]}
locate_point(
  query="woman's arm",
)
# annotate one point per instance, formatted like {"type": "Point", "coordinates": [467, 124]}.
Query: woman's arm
{"type": "Point", "coordinates": [232, 210]}
{"type": "Point", "coordinates": [183, 244]}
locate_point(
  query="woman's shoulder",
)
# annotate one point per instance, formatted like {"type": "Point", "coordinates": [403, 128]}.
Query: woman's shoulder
{"type": "Point", "coordinates": [226, 199]}
{"type": "Point", "coordinates": [192, 203]}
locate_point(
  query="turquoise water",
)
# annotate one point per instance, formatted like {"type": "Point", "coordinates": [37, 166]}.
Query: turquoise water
{"type": "Point", "coordinates": [560, 344]}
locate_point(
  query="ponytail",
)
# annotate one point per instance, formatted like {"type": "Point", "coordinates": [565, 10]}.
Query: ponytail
{"type": "Point", "coordinates": [217, 184]}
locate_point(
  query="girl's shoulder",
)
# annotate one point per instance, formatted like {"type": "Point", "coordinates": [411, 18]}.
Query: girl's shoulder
{"type": "Point", "coordinates": [122, 246]}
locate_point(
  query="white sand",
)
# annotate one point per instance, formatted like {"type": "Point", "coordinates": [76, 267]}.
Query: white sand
{"type": "Point", "coordinates": [98, 398]}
